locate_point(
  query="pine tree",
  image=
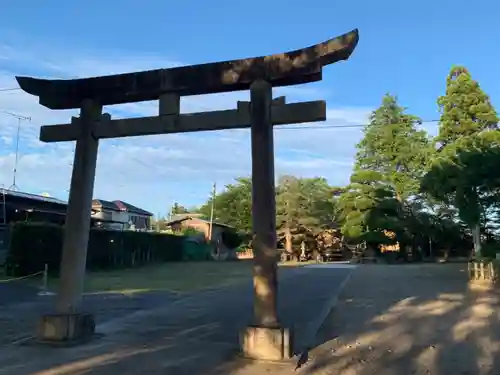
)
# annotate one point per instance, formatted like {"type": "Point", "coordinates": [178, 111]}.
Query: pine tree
{"type": "Point", "coordinates": [465, 109]}
{"type": "Point", "coordinates": [393, 147]}
{"type": "Point", "coordinates": [467, 118]}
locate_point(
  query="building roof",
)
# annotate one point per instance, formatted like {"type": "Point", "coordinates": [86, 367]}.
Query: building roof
{"type": "Point", "coordinates": [124, 206]}
{"type": "Point", "coordinates": [195, 217]}
{"type": "Point", "coordinates": [40, 198]}
{"type": "Point", "coordinates": [115, 205]}
{"type": "Point", "coordinates": [180, 217]}
{"type": "Point", "coordinates": [120, 206]}
{"type": "Point", "coordinates": [107, 205]}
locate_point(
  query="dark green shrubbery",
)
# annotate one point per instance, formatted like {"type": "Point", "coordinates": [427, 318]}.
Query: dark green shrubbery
{"type": "Point", "coordinates": [232, 239]}
{"type": "Point", "coordinates": [32, 245]}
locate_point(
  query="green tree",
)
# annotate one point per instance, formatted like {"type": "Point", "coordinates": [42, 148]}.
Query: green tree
{"type": "Point", "coordinates": [178, 209]}
{"type": "Point", "coordinates": [233, 206]}
{"type": "Point", "coordinates": [302, 205]}
{"type": "Point", "coordinates": [469, 181]}
{"type": "Point", "coordinates": [394, 147]}
{"type": "Point", "coordinates": [391, 159]}
{"type": "Point", "coordinates": [467, 135]}
{"type": "Point", "coordinates": [465, 109]}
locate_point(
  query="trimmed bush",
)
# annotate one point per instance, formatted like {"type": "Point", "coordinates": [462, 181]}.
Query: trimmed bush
{"type": "Point", "coordinates": [34, 244]}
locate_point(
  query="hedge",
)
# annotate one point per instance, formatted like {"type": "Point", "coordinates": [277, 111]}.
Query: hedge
{"type": "Point", "coordinates": [32, 245]}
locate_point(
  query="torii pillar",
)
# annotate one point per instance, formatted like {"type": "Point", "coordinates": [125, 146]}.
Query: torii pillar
{"type": "Point", "coordinates": [265, 338]}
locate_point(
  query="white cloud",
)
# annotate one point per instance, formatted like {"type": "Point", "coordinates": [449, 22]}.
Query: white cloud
{"type": "Point", "coordinates": [156, 170]}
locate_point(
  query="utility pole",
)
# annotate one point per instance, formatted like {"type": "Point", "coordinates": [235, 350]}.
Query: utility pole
{"type": "Point", "coordinates": [4, 208]}
{"type": "Point", "coordinates": [212, 211]}
{"type": "Point", "coordinates": [19, 119]}
{"type": "Point", "coordinates": [158, 222]}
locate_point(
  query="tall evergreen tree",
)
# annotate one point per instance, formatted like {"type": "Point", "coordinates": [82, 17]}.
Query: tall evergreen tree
{"type": "Point", "coordinates": [465, 108]}
{"type": "Point", "coordinates": [394, 147]}
{"type": "Point", "coordinates": [391, 158]}
{"type": "Point", "coordinates": [467, 131]}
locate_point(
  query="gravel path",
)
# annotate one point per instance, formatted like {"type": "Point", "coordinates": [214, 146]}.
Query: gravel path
{"type": "Point", "coordinates": [408, 319]}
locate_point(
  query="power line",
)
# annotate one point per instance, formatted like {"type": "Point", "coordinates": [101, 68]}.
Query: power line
{"type": "Point", "coordinates": [10, 89]}
{"type": "Point", "coordinates": [340, 126]}
{"type": "Point", "coordinates": [147, 165]}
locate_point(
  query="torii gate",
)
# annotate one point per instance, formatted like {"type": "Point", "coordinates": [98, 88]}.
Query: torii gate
{"type": "Point", "coordinates": [265, 338]}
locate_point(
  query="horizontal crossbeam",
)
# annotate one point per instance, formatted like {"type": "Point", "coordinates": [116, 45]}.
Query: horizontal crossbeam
{"type": "Point", "coordinates": [283, 69]}
{"type": "Point", "coordinates": [294, 113]}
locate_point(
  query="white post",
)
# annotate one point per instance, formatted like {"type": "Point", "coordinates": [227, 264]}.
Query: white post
{"type": "Point", "coordinates": [45, 282]}
{"type": "Point", "coordinates": [45, 277]}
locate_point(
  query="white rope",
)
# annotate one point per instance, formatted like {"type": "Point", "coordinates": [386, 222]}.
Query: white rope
{"type": "Point", "coordinates": [22, 277]}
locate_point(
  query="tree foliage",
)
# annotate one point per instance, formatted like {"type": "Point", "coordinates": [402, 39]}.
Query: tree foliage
{"type": "Point", "coordinates": [391, 158]}
{"type": "Point", "coordinates": [432, 198]}
{"type": "Point", "coordinates": [302, 205]}
{"type": "Point", "coordinates": [233, 206]}
{"type": "Point", "coordinates": [463, 174]}
{"type": "Point", "coordinates": [465, 109]}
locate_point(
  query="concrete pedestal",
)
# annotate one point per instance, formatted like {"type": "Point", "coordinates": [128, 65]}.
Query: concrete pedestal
{"type": "Point", "coordinates": [264, 343]}
{"type": "Point", "coordinates": [65, 328]}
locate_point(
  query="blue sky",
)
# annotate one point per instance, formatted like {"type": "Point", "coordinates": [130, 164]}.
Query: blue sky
{"type": "Point", "coordinates": [405, 48]}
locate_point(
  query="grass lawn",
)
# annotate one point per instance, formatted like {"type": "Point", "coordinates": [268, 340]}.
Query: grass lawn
{"type": "Point", "coordinates": [179, 277]}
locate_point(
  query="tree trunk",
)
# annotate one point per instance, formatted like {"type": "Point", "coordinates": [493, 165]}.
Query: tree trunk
{"type": "Point", "coordinates": [288, 240]}
{"type": "Point", "coordinates": [476, 237]}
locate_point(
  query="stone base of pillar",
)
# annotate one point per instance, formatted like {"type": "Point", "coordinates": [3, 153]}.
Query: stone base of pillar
{"type": "Point", "coordinates": [264, 343]}
{"type": "Point", "coordinates": [65, 328]}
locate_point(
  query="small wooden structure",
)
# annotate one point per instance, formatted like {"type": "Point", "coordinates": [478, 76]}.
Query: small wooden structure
{"type": "Point", "coordinates": [483, 274]}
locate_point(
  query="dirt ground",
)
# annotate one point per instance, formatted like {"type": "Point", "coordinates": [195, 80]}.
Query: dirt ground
{"type": "Point", "coordinates": [408, 319]}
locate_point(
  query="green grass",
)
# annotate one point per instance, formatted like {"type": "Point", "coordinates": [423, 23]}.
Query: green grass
{"type": "Point", "coordinates": [177, 277]}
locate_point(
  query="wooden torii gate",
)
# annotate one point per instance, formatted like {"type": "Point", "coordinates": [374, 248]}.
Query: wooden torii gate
{"type": "Point", "coordinates": [265, 337]}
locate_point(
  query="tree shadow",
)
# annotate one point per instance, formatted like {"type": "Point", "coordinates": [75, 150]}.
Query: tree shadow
{"type": "Point", "coordinates": [411, 320]}
{"type": "Point", "coordinates": [416, 319]}
{"type": "Point", "coordinates": [198, 335]}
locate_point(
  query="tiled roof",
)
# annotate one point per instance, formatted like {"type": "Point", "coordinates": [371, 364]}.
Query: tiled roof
{"type": "Point", "coordinates": [189, 217]}
{"type": "Point", "coordinates": [107, 205]}
{"type": "Point", "coordinates": [124, 206]}
{"type": "Point", "coordinates": [120, 206]}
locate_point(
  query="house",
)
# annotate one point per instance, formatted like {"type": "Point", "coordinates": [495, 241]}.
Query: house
{"type": "Point", "coordinates": [217, 235]}
{"type": "Point", "coordinates": [18, 206]}
{"type": "Point", "coordinates": [120, 215]}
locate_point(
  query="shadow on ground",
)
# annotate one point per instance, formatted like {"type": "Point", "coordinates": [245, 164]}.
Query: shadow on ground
{"type": "Point", "coordinates": [195, 335]}
{"type": "Point", "coordinates": [16, 292]}
{"type": "Point", "coordinates": [410, 320]}
{"type": "Point", "coordinates": [389, 320]}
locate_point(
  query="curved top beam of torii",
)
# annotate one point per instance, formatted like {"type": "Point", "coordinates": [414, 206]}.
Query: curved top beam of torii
{"type": "Point", "coordinates": [284, 69]}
